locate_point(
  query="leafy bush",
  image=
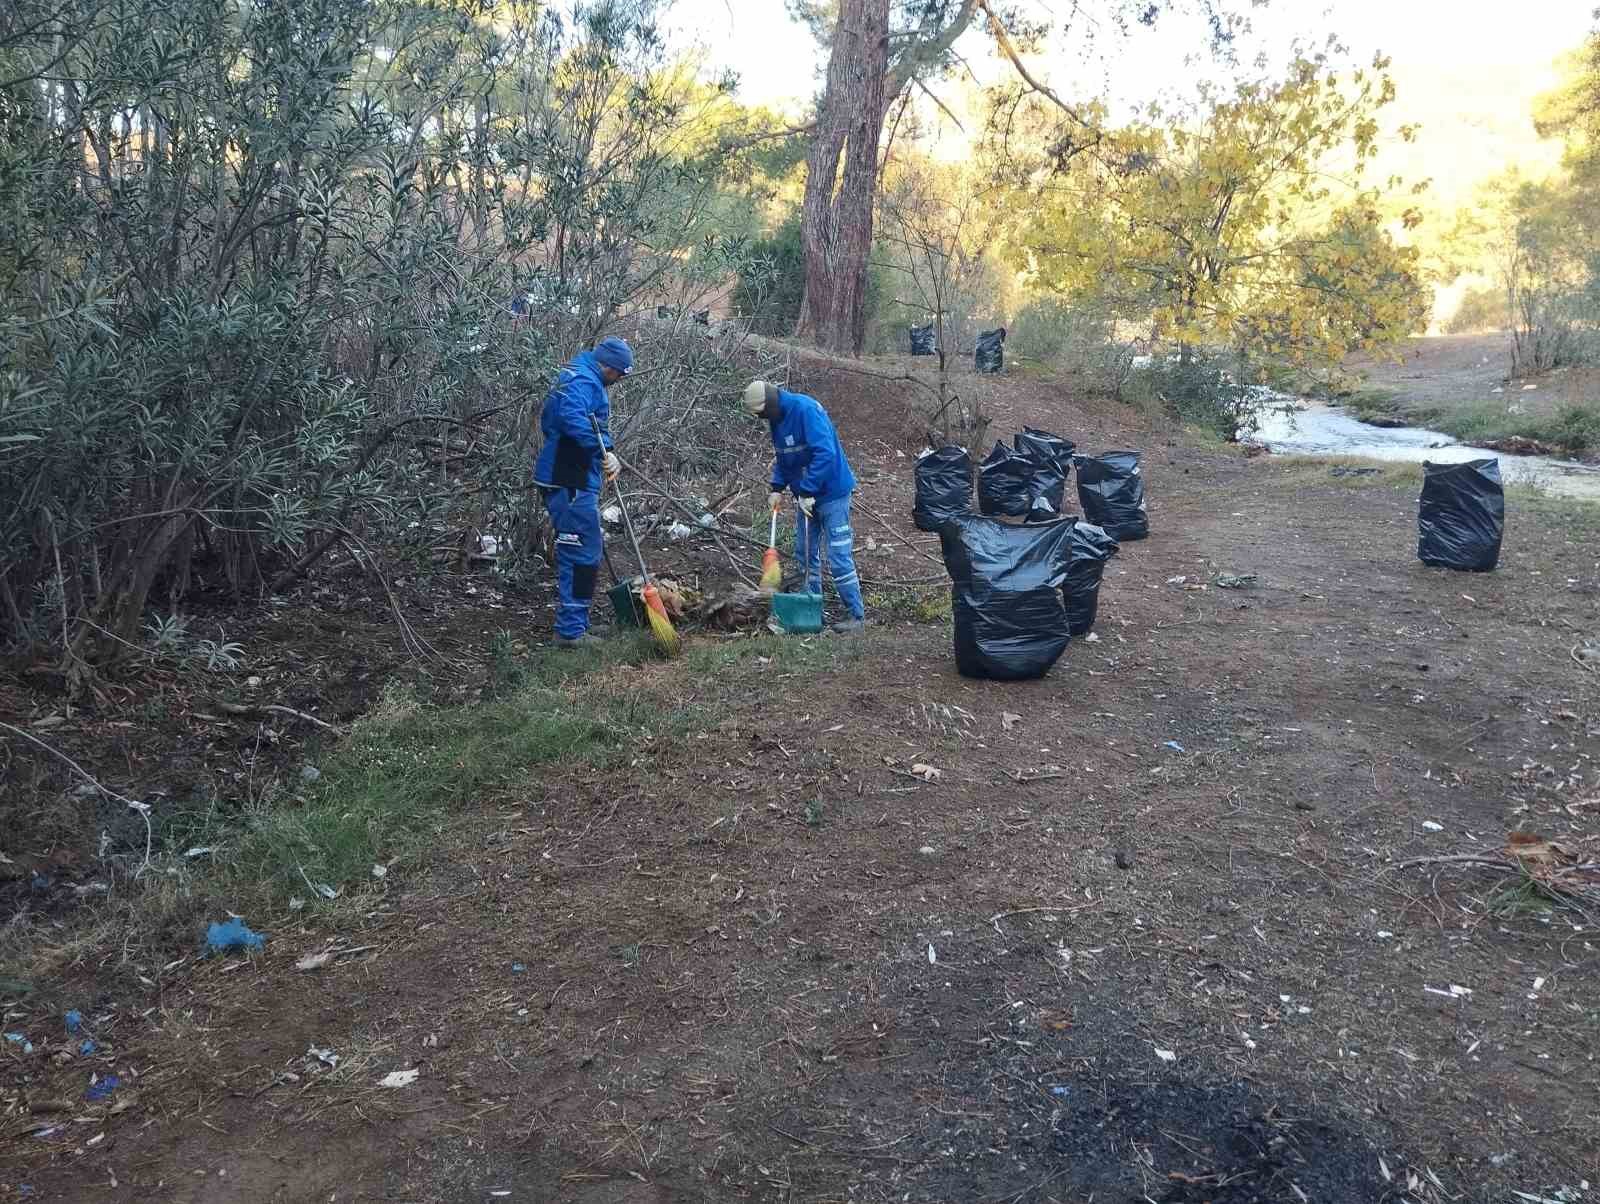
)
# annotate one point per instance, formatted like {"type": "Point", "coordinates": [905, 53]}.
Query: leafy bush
{"type": "Point", "coordinates": [1198, 391]}
{"type": "Point", "coordinates": [1078, 340]}
{"type": "Point", "coordinates": [1481, 309]}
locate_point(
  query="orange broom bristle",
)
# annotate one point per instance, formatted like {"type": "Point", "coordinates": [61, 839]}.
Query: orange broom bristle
{"type": "Point", "coordinates": [771, 571]}
{"type": "Point", "coordinates": [660, 626]}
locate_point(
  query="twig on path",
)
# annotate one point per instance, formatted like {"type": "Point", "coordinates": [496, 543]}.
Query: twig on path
{"type": "Point", "coordinates": [857, 504]}
{"type": "Point", "coordinates": [1023, 911]}
{"type": "Point", "coordinates": [245, 711]}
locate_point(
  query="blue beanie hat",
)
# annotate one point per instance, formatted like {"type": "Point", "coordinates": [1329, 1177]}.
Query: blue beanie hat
{"type": "Point", "coordinates": [613, 353]}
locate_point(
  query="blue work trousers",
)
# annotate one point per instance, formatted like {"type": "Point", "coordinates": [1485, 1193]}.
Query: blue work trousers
{"type": "Point", "coordinates": [575, 514]}
{"type": "Point", "coordinates": [829, 527]}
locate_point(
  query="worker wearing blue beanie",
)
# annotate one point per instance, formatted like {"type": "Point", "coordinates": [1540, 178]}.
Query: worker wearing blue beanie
{"type": "Point", "coordinates": [573, 463]}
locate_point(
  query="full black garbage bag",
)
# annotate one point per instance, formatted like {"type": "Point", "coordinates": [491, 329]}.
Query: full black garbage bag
{"type": "Point", "coordinates": [1091, 548]}
{"type": "Point", "coordinates": [944, 487]}
{"type": "Point", "coordinates": [1461, 517]}
{"type": "Point", "coordinates": [1006, 580]}
{"type": "Point", "coordinates": [922, 342]}
{"type": "Point", "coordinates": [1005, 483]}
{"type": "Point", "coordinates": [990, 353]}
{"type": "Point", "coordinates": [1112, 493]}
{"type": "Point", "coordinates": [1052, 460]}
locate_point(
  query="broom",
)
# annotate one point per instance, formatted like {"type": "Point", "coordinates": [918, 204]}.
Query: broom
{"type": "Point", "coordinates": [771, 570]}
{"type": "Point", "coordinates": [660, 626]}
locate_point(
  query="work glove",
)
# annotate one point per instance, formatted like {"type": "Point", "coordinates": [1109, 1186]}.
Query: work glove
{"type": "Point", "coordinates": [806, 506]}
{"type": "Point", "coordinates": [611, 467]}
{"type": "Point", "coordinates": [774, 500]}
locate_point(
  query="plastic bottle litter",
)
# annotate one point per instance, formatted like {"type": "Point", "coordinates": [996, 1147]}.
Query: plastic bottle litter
{"type": "Point", "coordinates": [235, 934]}
{"type": "Point", "coordinates": [19, 1039]}
{"type": "Point", "coordinates": [74, 1020]}
{"type": "Point", "coordinates": [1173, 745]}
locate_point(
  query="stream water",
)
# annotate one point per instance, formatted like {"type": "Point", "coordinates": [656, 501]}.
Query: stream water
{"type": "Point", "coordinates": [1314, 429]}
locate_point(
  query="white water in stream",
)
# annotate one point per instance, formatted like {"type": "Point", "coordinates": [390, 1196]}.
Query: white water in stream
{"type": "Point", "coordinates": [1313, 429]}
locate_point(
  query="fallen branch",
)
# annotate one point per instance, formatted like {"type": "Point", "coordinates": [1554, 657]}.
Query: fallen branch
{"type": "Point", "coordinates": [244, 711]}
{"type": "Point", "coordinates": [873, 514]}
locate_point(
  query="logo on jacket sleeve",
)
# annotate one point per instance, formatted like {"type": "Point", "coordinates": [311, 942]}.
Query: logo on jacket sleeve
{"type": "Point", "coordinates": [788, 440]}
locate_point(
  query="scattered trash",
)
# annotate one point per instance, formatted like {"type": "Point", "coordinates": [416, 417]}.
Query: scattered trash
{"type": "Point", "coordinates": [612, 516]}
{"type": "Point", "coordinates": [317, 888]}
{"type": "Point", "coordinates": [1384, 934]}
{"type": "Point", "coordinates": [87, 1047]}
{"type": "Point", "coordinates": [399, 1078]}
{"type": "Point", "coordinates": [101, 1088]}
{"type": "Point", "coordinates": [1009, 720]}
{"type": "Point", "coordinates": [1173, 745]}
{"type": "Point", "coordinates": [200, 851]}
{"type": "Point", "coordinates": [1455, 992]}
{"type": "Point", "coordinates": [296, 903]}
{"type": "Point", "coordinates": [679, 531]}
{"type": "Point", "coordinates": [1234, 581]}
{"type": "Point", "coordinates": [1461, 515]}
{"type": "Point", "coordinates": [933, 957]}
{"type": "Point", "coordinates": [1166, 1055]}
{"type": "Point", "coordinates": [518, 968]}
{"type": "Point", "coordinates": [1176, 580]}
{"type": "Point", "coordinates": [707, 519]}
{"type": "Point", "coordinates": [309, 774]}
{"type": "Point", "coordinates": [927, 850]}
{"type": "Point", "coordinates": [1431, 826]}
{"type": "Point", "coordinates": [927, 773]}
{"type": "Point", "coordinates": [1344, 470]}
{"type": "Point", "coordinates": [19, 1039]}
{"type": "Point", "coordinates": [325, 1056]}
{"type": "Point", "coordinates": [74, 1020]}
{"type": "Point", "coordinates": [1538, 983]}
{"type": "Point", "coordinates": [1058, 1091]}
{"type": "Point", "coordinates": [235, 934]}
{"type": "Point", "coordinates": [944, 487]}
{"type": "Point", "coordinates": [380, 871]}
{"type": "Point", "coordinates": [316, 961]}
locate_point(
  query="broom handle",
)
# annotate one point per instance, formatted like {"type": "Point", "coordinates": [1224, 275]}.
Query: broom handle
{"type": "Point", "coordinates": [623, 506]}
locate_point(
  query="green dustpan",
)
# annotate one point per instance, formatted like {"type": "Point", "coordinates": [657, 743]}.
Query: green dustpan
{"type": "Point", "coordinates": [625, 603]}
{"type": "Point", "coordinates": [799, 614]}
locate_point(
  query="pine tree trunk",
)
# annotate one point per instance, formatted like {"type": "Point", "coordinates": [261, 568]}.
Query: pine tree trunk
{"type": "Point", "coordinates": [836, 215]}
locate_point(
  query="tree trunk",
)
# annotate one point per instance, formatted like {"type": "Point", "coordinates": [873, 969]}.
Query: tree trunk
{"type": "Point", "coordinates": [836, 215]}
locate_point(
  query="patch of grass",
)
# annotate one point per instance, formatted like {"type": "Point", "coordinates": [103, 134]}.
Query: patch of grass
{"type": "Point", "coordinates": [404, 768]}
{"type": "Point", "coordinates": [931, 605]}
{"type": "Point", "coordinates": [1351, 472]}
{"type": "Point", "coordinates": [1367, 405]}
{"type": "Point", "coordinates": [779, 654]}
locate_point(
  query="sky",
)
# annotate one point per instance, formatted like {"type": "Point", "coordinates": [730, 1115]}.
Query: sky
{"type": "Point", "coordinates": [777, 60]}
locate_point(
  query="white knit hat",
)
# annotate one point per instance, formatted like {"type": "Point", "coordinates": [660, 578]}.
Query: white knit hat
{"type": "Point", "coordinates": [755, 397]}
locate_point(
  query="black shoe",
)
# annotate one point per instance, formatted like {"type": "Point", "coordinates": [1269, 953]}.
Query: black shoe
{"type": "Point", "coordinates": [586, 640]}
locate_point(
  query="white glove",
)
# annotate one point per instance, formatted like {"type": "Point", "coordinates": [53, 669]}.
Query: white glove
{"type": "Point", "coordinates": [611, 467]}
{"type": "Point", "coordinates": [774, 500]}
{"type": "Point", "coordinates": [806, 505]}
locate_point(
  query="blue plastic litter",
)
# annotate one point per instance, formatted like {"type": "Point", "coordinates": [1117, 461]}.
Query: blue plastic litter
{"type": "Point", "coordinates": [1061, 1091]}
{"type": "Point", "coordinates": [1173, 745]}
{"type": "Point", "coordinates": [102, 1088]}
{"type": "Point", "coordinates": [19, 1039]}
{"type": "Point", "coordinates": [235, 934]}
{"type": "Point", "coordinates": [87, 1048]}
{"type": "Point", "coordinates": [518, 967]}
{"type": "Point", "coordinates": [39, 881]}
{"type": "Point", "coordinates": [74, 1020]}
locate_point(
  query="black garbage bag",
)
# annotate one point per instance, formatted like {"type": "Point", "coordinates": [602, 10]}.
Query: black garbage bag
{"type": "Point", "coordinates": [1006, 581]}
{"type": "Point", "coordinates": [1042, 445]}
{"type": "Point", "coordinates": [922, 342]}
{"type": "Point", "coordinates": [1112, 493]}
{"type": "Point", "coordinates": [1052, 459]}
{"type": "Point", "coordinates": [1005, 483]}
{"type": "Point", "coordinates": [1091, 548]}
{"type": "Point", "coordinates": [990, 354]}
{"type": "Point", "coordinates": [1461, 517]}
{"type": "Point", "coordinates": [944, 487]}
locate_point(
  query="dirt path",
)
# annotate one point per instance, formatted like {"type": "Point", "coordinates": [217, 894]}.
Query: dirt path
{"type": "Point", "coordinates": [1467, 369]}
{"type": "Point", "coordinates": [766, 963]}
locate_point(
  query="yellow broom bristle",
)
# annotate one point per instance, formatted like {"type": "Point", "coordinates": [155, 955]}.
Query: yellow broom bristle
{"type": "Point", "coordinates": [771, 571]}
{"type": "Point", "coordinates": [660, 626]}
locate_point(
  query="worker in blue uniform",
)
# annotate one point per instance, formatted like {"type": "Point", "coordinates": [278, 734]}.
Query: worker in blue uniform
{"type": "Point", "coordinates": [572, 464]}
{"type": "Point", "coordinates": [809, 463]}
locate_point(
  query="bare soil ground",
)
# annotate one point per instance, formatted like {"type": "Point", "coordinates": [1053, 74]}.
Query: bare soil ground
{"type": "Point", "coordinates": [1153, 933]}
{"type": "Point", "coordinates": [1444, 371]}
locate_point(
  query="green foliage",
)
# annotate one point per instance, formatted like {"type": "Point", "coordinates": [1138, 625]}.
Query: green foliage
{"type": "Point", "coordinates": [1078, 338]}
{"type": "Point", "coordinates": [1199, 391]}
{"type": "Point", "coordinates": [256, 270]}
{"type": "Point", "coordinates": [1480, 309]}
{"type": "Point", "coordinates": [773, 280]}
{"type": "Point", "coordinates": [1221, 228]}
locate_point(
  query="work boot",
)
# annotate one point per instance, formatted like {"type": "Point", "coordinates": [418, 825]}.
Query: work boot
{"type": "Point", "coordinates": [586, 640]}
{"type": "Point", "coordinates": [848, 626]}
